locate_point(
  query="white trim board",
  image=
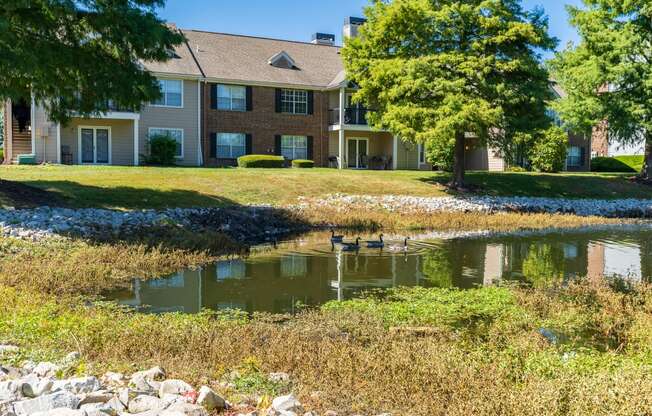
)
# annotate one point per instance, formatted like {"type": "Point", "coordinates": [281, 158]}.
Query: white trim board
{"type": "Point", "coordinates": [79, 144]}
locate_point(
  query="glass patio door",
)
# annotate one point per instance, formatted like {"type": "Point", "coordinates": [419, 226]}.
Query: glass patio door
{"type": "Point", "coordinates": [357, 153]}
{"type": "Point", "coordinates": [94, 145]}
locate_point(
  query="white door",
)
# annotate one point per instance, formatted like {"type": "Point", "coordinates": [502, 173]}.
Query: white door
{"type": "Point", "coordinates": [95, 145]}
{"type": "Point", "coordinates": [357, 153]}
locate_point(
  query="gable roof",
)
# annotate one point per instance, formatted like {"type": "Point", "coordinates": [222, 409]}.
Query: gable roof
{"type": "Point", "coordinates": [181, 62]}
{"type": "Point", "coordinates": [237, 58]}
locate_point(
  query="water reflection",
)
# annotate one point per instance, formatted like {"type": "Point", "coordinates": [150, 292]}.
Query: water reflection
{"type": "Point", "coordinates": [310, 273]}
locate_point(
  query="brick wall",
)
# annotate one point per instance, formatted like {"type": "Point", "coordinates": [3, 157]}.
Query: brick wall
{"type": "Point", "coordinates": [600, 140]}
{"type": "Point", "coordinates": [263, 123]}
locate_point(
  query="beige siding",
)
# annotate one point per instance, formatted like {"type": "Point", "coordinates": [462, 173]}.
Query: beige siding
{"type": "Point", "coordinates": [122, 138]}
{"type": "Point", "coordinates": [408, 156]}
{"type": "Point", "coordinates": [496, 162]}
{"type": "Point", "coordinates": [185, 118]}
{"type": "Point", "coordinates": [45, 136]}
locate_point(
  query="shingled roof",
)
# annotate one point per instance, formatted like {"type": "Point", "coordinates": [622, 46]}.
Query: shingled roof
{"type": "Point", "coordinates": [246, 59]}
{"type": "Point", "coordinates": [181, 62]}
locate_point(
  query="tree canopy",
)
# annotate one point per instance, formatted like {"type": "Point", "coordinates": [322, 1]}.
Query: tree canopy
{"type": "Point", "coordinates": [607, 75]}
{"type": "Point", "coordinates": [76, 55]}
{"type": "Point", "coordinates": [434, 70]}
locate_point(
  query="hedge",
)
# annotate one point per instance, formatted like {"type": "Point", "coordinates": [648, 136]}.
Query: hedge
{"type": "Point", "coordinates": [2, 155]}
{"type": "Point", "coordinates": [610, 164]}
{"type": "Point", "coordinates": [301, 163]}
{"type": "Point", "coordinates": [261, 161]}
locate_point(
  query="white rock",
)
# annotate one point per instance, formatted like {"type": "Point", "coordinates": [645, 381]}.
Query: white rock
{"type": "Point", "coordinates": [33, 386]}
{"type": "Point", "coordinates": [46, 369]}
{"type": "Point", "coordinates": [186, 409]}
{"type": "Point", "coordinates": [100, 396]}
{"type": "Point", "coordinates": [287, 403]}
{"type": "Point", "coordinates": [78, 385]}
{"type": "Point", "coordinates": [61, 399]}
{"type": "Point", "coordinates": [145, 403]}
{"type": "Point", "coordinates": [72, 357]}
{"type": "Point", "coordinates": [61, 412]}
{"type": "Point", "coordinates": [113, 379]}
{"type": "Point", "coordinates": [210, 400]}
{"type": "Point", "coordinates": [9, 390]}
{"type": "Point", "coordinates": [279, 377]}
{"type": "Point", "coordinates": [174, 387]}
{"type": "Point", "coordinates": [8, 349]}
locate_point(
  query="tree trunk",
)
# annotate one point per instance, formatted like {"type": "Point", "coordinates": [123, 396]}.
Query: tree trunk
{"type": "Point", "coordinates": [457, 182]}
{"type": "Point", "coordinates": [646, 173]}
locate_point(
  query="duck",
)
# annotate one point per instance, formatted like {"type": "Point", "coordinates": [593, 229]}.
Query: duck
{"type": "Point", "coordinates": [402, 247]}
{"type": "Point", "coordinates": [336, 238]}
{"type": "Point", "coordinates": [376, 243]}
{"type": "Point", "coordinates": [351, 246]}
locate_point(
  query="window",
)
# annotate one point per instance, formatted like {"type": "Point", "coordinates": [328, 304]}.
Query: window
{"type": "Point", "coordinates": [422, 154]}
{"type": "Point", "coordinates": [231, 98]}
{"type": "Point", "coordinates": [574, 158]}
{"type": "Point", "coordinates": [294, 101]}
{"type": "Point", "coordinates": [231, 269]}
{"type": "Point", "coordinates": [294, 147]}
{"type": "Point", "coordinates": [554, 116]}
{"type": "Point", "coordinates": [231, 145]}
{"type": "Point", "coordinates": [171, 93]}
{"type": "Point", "coordinates": [176, 134]}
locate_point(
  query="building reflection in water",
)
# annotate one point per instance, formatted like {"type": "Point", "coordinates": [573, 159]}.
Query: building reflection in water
{"type": "Point", "coordinates": [281, 280]}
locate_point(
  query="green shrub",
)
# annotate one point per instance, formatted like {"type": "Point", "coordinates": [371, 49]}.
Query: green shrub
{"type": "Point", "coordinates": [300, 163]}
{"type": "Point", "coordinates": [634, 161]}
{"type": "Point", "coordinates": [516, 169]}
{"type": "Point", "coordinates": [261, 161]}
{"type": "Point", "coordinates": [162, 150]}
{"type": "Point", "coordinates": [549, 151]}
{"type": "Point", "coordinates": [2, 155]}
{"type": "Point", "coordinates": [610, 164]}
{"type": "Point", "coordinates": [441, 154]}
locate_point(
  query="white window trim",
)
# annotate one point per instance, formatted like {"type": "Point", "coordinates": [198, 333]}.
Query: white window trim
{"type": "Point", "coordinates": [232, 109]}
{"type": "Point", "coordinates": [182, 95]}
{"type": "Point", "coordinates": [183, 138]}
{"type": "Point", "coordinates": [294, 148]}
{"type": "Point", "coordinates": [217, 143]}
{"type": "Point", "coordinates": [357, 146]}
{"type": "Point", "coordinates": [79, 144]}
{"type": "Point", "coordinates": [420, 151]}
{"type": "Point", "coordinates": [294, 103]}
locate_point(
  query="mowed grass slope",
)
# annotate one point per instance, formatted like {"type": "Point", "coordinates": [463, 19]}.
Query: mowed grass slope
{"type": "Point", "coordinates": [149, 187]}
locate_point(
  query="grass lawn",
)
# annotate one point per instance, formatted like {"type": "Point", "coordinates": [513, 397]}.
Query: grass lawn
{"type": "Point", "coordinates": [147, 187]}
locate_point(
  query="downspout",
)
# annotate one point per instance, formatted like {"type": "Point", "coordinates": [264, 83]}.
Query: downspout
{"type": "Point", "coordinates": [200, 100]}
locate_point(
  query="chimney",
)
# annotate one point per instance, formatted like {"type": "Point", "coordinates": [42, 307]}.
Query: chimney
{"type": "Point", "coordinates": [352, 25]}
{"type": "Point", "coordinates": [323, 39]}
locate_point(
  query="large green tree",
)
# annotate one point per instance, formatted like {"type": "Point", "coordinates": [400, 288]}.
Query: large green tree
{"type": "Point", "coordinates": [435, 70]}
{"type": "Point", "coordinates": [76, 55]}
{"type": "Point", "coordinates": [608, 75]}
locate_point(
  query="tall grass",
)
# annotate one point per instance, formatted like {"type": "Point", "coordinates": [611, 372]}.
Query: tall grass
{"type": "Point", "coordinates": [482, 355]}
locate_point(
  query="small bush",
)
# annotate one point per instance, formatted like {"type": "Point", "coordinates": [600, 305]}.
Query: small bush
{"type": "Point", "coordinates": [549, 152]}
{"type": "Point", "coordinates": [300, 163]}
{"type": "Point", "coordinates": [261, 161]}
{"type": "Point", "coordinates": [2, 155]}
{"type": "Point", "coordinates": [516, 169]}
{"type": "Point", "coordinates": [609, 164]}
{"type": "Point", "coordinates": [162, 150]}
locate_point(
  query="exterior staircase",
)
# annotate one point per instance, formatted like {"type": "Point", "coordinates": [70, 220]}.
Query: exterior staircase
{"type": "Point", "coordinates": [21, 141]}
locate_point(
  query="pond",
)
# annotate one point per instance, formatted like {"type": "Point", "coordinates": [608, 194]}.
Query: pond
{"type": "Point", "coordinates": [310, 271]}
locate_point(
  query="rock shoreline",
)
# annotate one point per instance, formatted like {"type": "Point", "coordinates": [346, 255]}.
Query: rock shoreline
{"type": "Point", "coordinates": [257, 224]}
{"type": "Point", "coordinates": [35, 390]}
{"type": "Point", "coordinates": [618, 208]}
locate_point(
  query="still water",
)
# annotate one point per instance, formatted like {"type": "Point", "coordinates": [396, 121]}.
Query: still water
{"type": "Point", "coordinates": [310, 271]}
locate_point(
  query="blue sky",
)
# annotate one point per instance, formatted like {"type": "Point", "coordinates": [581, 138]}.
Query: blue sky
{"type": "Point", "coordinates": [299, 19]}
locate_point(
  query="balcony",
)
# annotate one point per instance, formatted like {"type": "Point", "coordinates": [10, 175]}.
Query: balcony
{"type": "Point", "coordinates": [352, 116]}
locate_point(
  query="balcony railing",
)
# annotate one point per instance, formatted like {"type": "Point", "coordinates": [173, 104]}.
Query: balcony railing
{"type": "Point", "coordinates": [354, 115]}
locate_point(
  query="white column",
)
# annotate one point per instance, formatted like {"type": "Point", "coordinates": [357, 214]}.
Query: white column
{"type": "Point", "coordinates": [342, 141]}
{"type": "Point", "coordinates": [136, 144]}
{"type": "Point", "coordinates": [395, 154]}
{"type": "Point", "coordinates": [59, 143]}
{"type": "Point", "coordinates": [32, 124]}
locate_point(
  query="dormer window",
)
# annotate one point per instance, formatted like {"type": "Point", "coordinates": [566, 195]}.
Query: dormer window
{"type": "Point", "coordinates": [282, 60]}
